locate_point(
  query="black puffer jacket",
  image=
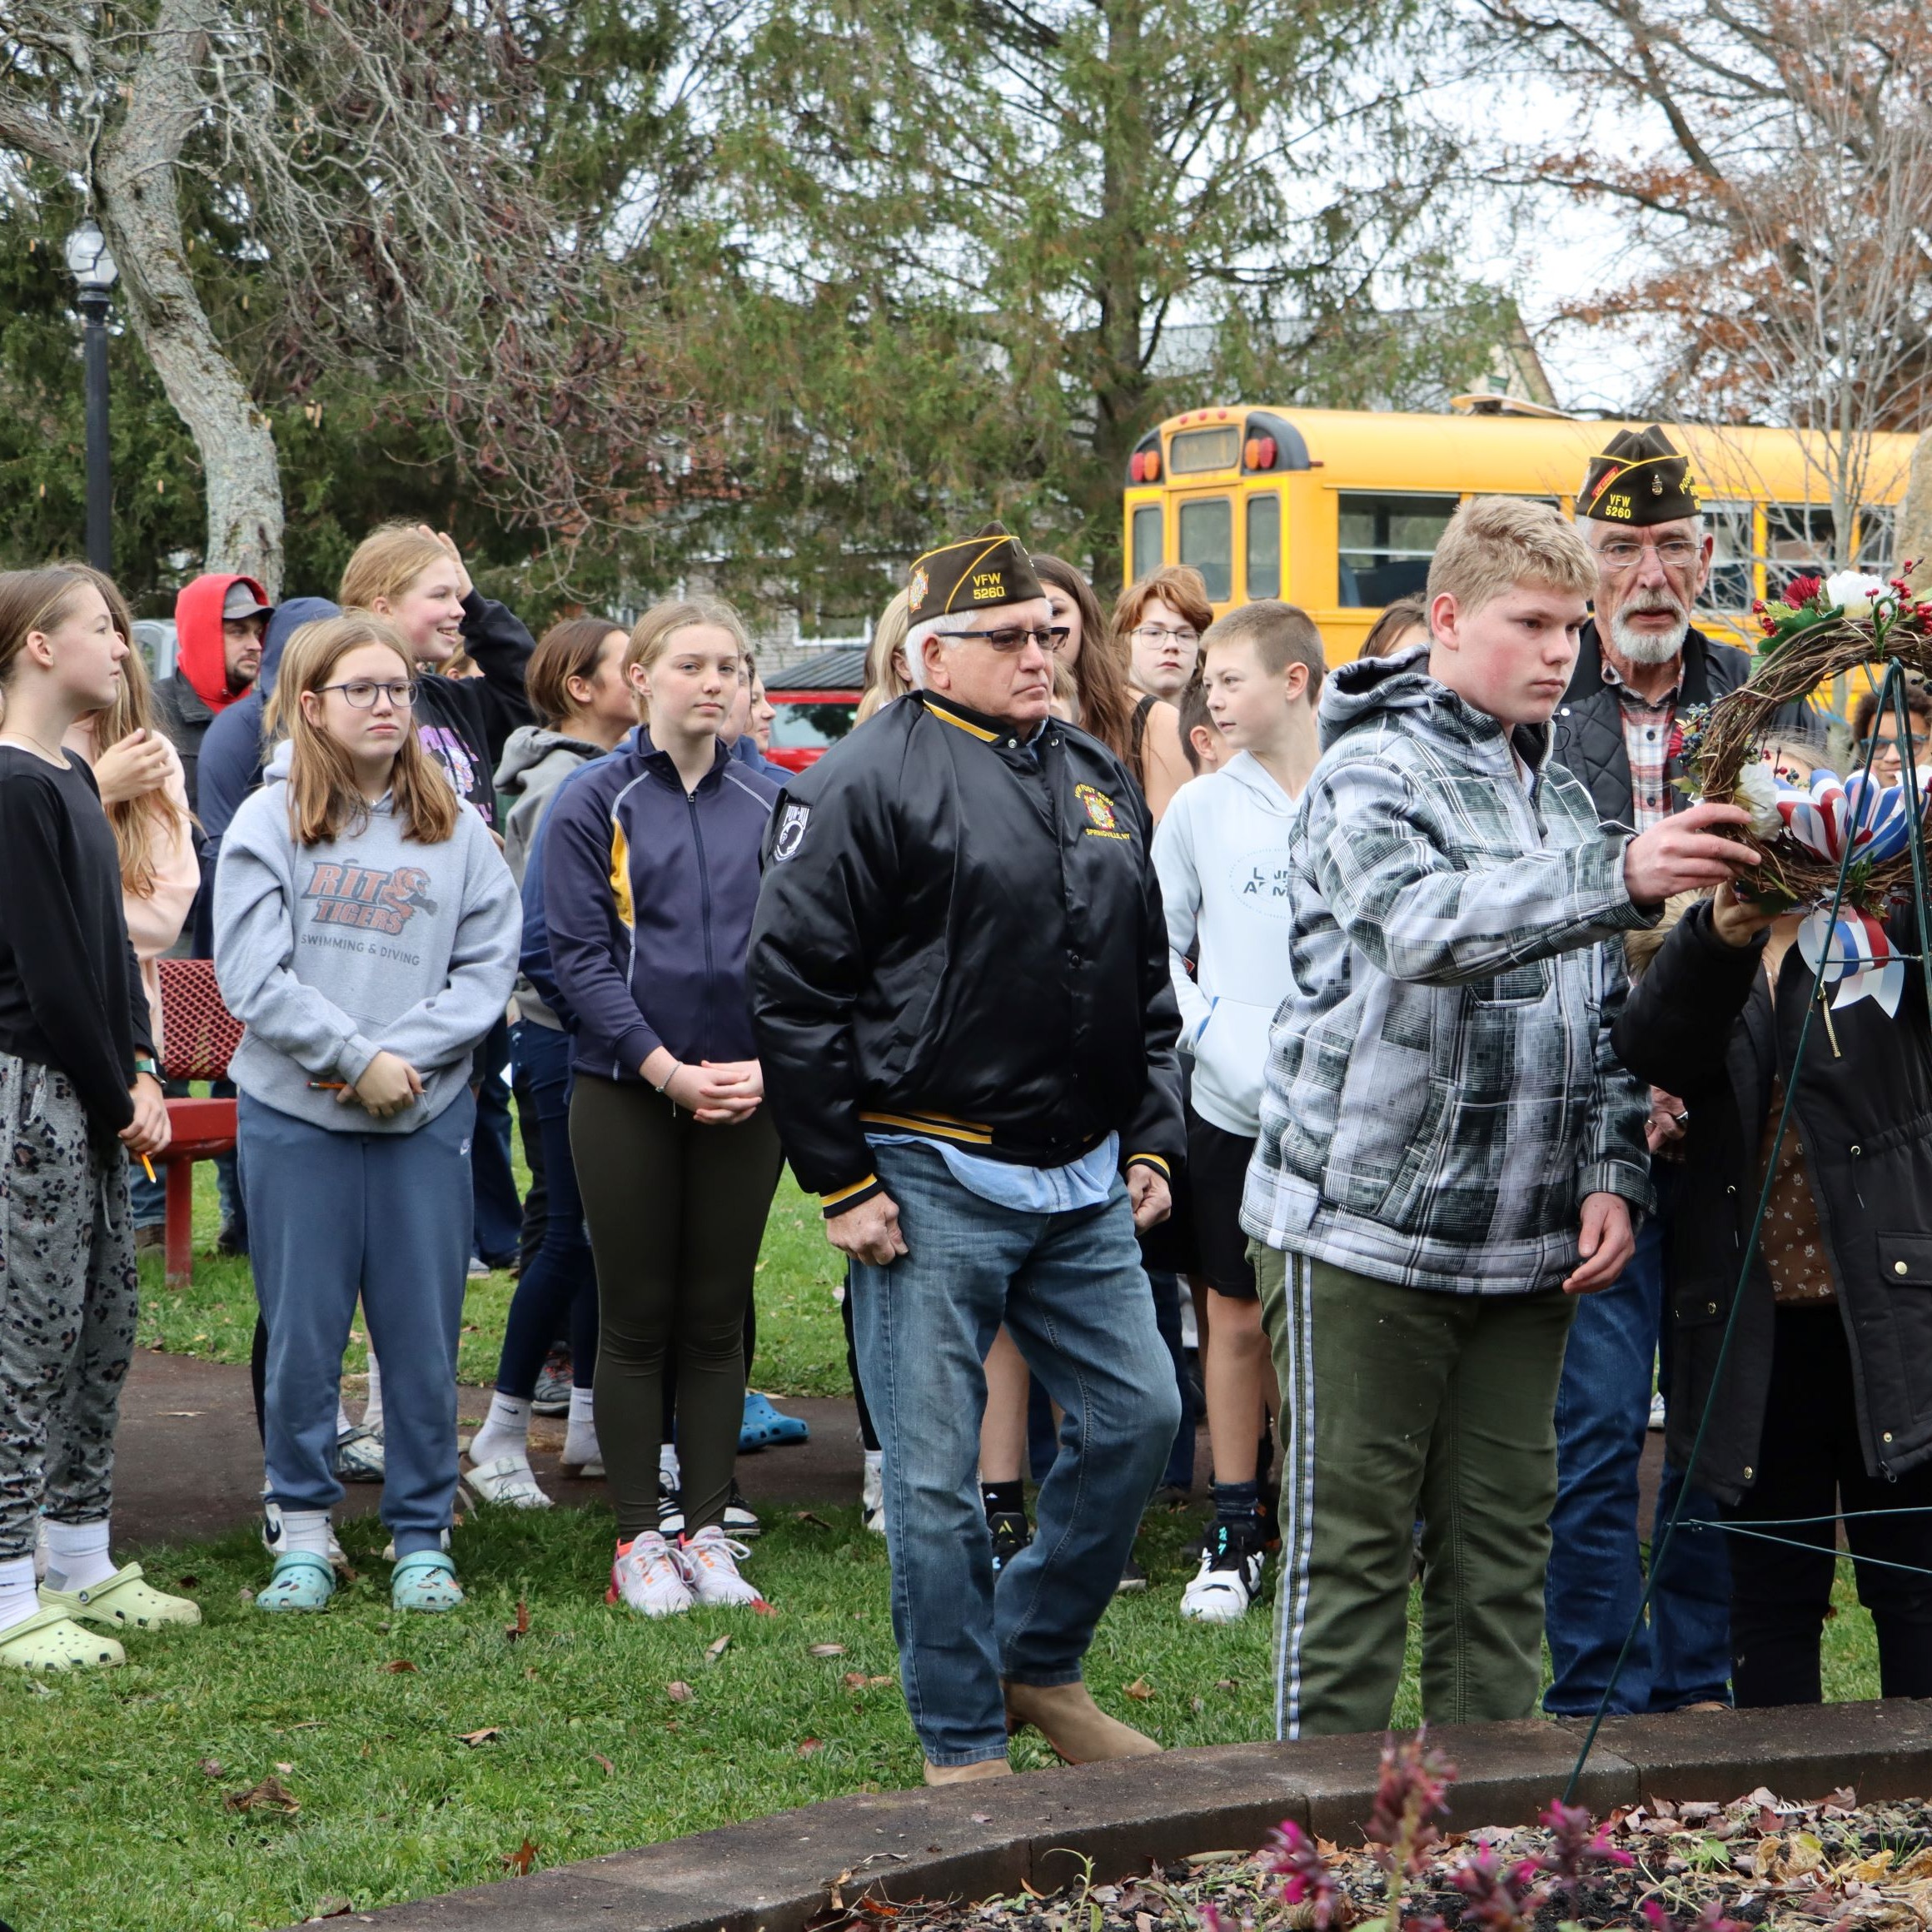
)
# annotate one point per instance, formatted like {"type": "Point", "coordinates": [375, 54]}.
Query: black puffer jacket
{"type": "Point", "coordinates": [1589, 722]}
{"type": "Point", "coordinates": [960, 937]}
{"type": "Point", "coordinates": [1700, 1022]}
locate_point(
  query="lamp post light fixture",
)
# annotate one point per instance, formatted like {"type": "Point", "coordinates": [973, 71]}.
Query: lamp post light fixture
{"type": "Point", "coordinates": [92, 267]}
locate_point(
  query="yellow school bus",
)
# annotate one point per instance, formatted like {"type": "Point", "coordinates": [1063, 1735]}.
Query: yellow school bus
{"type": "Point", "coordinates": [1338, 510]}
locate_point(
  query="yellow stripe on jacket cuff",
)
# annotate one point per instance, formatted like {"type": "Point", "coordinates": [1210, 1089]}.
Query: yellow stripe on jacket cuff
{"type": "Point", "coordinates": [840, 1198]}
{"type": "Point", "coordinates": [1159, 1160]}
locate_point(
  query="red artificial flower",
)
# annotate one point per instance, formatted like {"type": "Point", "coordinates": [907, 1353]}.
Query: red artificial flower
{"type": "Point", "coordinates": [1802, 589]}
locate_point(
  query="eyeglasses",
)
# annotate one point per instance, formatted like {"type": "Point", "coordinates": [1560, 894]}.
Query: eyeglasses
{"type": "Point", "coordinates": [1161, 633]}
{"type": "Point", "coordinates": [1881, 745]}
{"type": "Point", "coordinates": [1679, 553]}
{"type": "Point", "coordinates": [361, 695]}
{"type": "Point", "coordinates": [1016, 639]}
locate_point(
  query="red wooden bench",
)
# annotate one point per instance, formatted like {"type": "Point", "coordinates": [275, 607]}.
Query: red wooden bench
{"type": "Point", "coordinates": [198, 1035]}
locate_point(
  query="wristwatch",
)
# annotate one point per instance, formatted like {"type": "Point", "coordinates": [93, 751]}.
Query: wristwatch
{"type": "Point", "coordinates": [144, 1064]}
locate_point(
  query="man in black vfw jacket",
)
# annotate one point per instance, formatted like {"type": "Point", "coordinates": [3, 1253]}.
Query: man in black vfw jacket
{"type": "Point", "coordinates": [959, 986]}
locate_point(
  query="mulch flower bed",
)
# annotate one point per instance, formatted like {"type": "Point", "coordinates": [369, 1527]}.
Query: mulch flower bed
{"type": "Point", "coordinates": [1668, 1868]}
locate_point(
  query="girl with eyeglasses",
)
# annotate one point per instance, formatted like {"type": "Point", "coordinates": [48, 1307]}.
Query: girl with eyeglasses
{"type": "Point", "coordinates": [1158, 622]}
{"type": "Point", "coordinates": [367, 931]}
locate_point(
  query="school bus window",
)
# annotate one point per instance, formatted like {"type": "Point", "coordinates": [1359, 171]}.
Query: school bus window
{"type": "Point", "coordinates": [1798, 540]}
{"type": "Point", "coordinates": [1729, 525]}
{"type": "Point", "coordinates": [1264, 545]}
{"type": "Point", "coordinates": [1147, 539]}
{"type": "Point", "coordinates": [1207, 543]}
{"type": "Point", "coordinates": [1191, 452]}
{"type": "Point", "coordinates": [1386, 542]}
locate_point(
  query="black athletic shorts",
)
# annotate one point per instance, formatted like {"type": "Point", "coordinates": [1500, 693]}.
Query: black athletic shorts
{"type": "Point", "coordinates": [1217, 1169]}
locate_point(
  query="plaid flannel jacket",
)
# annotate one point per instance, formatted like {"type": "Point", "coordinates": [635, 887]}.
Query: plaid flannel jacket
{"type": "Point", "coordinates": [1441, 1092]}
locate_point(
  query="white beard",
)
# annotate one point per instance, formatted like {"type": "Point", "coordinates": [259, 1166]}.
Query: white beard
{"type": "Point", "coordinates": [1646, 647]}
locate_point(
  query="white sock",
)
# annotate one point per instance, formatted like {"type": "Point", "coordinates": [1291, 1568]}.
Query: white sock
{"type": "Point", "coordinates": [505, 1430]}
{"type": "Point", "coordinates": [668, 1472]}
{"type": "Point", "coordinates": [305, 1530]}
{"type": "Point", "coordinates": [76, 1555]}
{"type": "Point", "coordinates": [372, 1409]}
{"type": "Point", "coordinates": [18, 1600]}
{"type": "Point", "coordinates": [343, 1425]}
{"type": "Point", "coordinates": [580, 1432]}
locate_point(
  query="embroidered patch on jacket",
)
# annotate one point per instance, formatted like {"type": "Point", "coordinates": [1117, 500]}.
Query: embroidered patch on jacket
{"type": "Point", "coordinates": [791, 831]}
{"type": "Point", "coordinates": [1101, 823]}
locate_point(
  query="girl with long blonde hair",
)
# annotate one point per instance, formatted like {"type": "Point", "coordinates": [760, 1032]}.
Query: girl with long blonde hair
{"type": "Point", "coordinates": [366, 934]}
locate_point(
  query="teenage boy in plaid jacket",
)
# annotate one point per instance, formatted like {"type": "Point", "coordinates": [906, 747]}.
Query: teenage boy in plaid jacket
{"type": "Point", "coordinates": [1449, 1150]}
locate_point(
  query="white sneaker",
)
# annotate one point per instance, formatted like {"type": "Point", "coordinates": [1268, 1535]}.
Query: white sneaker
{"type": "Point", "coordinates": [1227, 1582]}
{"type": "Point", "coordinates": [871, 1491]}
{"type": "Point", "coordinates": [648, 1577]}
{"type": "Point", "coordinates": [1657, 1416]}
{"type": "Point", "coordinates": [271, 1536]}
{"type": "Point", "coordinates": [507, 1480]}
{"type": "Point", "coordinates": [710, 1560]}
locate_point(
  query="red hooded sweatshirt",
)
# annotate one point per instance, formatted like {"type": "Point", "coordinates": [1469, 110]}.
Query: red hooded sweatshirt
{"type": "Point", "coordinates": [197, 623]}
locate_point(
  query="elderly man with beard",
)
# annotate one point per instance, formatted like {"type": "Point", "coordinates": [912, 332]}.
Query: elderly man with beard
{"type": "Point", "coordinates": [1641, 665]}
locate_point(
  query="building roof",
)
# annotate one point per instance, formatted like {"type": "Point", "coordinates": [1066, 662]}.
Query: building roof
{"type": "Point", "coordinates": [841, 669]}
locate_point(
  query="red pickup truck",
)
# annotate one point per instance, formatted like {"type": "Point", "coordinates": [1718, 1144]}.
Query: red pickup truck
{"type": "Point", "coordinates": [816, 695]}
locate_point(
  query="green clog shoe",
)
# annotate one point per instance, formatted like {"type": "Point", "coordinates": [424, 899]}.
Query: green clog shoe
{"type": "Point", "coordinates": [302, 1581]}
{"type": "Point", "coordinates": [427, 1581]}
{"type": "Point", "coordinates": [50, 1640]}
{"type": "Point", "coordinates": [123, 1602]}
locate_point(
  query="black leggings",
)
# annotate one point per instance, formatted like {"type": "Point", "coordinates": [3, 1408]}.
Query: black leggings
{"type": "Point", "coordinates": [1811, 1464]}
{"type": "Point", "coordinates": [676, 1212]}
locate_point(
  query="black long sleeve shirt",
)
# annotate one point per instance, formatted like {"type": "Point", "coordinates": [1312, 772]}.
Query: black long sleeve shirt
{"type": "Point", "coordinates": [71, 997]}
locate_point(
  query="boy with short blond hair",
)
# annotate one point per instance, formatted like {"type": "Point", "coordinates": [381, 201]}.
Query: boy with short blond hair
{"type": "Point", "coordinates": [1221, 854]}
{"type": "Point", "coordinates": [1448, 1147]}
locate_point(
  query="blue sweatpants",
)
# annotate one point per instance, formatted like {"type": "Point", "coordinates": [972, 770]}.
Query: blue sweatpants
{"type": "Point", "coordinates": [387, 1217]}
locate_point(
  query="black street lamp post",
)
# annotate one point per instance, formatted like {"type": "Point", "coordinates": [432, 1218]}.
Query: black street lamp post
{"type": "Point", "coordinates": [93, 268]}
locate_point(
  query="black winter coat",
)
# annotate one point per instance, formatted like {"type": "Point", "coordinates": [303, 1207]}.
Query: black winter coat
{"type": "Point", "coordinates": [1589, 722]}
{"type": "Point", "coordinates": [1700, 1022]}
{"type": "Point", "coordinates": [960, 936]}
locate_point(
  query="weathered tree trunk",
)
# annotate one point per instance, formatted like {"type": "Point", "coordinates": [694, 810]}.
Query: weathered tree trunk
{"type": "Point", "coordinates": [135, 183]}
{"type": "Point", "coordinates": [1914, 544]}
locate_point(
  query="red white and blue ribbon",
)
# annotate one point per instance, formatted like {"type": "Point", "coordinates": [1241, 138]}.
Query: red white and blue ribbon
{"type": "Point", "coordinates": [1856, 957]}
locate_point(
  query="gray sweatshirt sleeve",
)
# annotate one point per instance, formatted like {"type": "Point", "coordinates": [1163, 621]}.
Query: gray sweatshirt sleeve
{"type": "Point", "coordinates": [254, 949]}
{"type": "Point", "coordinates": [450, 1023]}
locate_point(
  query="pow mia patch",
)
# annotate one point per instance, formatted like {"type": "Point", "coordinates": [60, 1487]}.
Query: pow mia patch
{"type": "Point", "coordinates": [791, 831]}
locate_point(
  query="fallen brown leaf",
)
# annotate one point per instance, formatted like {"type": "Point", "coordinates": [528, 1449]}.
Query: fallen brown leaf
{"type": "Point", "coordinates": [397, 1666]}
{"type": "Point", "coordinates": [855, 1680]}
{"type": "Point", "coordinates": [679, 1691]}
{"type": "Point", "coordinates": [271, 1795]}
{"type": "Point", "coordinates": [609, 1768]}
{"type": "Point", "coordinates": [285, 1767]}
{"type": "Point", "coordinates": [488, 1735]}
{"type": "Point", "coordinates": [873, 1683]}
{"type": "Point", "coordinates": [522, 1860]}
{"type": "Point", "coordinates": [817, 1522]}
{"type": "Point", "coordinates": [1140, 1690]}
{"type": "Point", "coordinates": [212, 1767]}
{"type": "Point", "coordinates": [521, 1628]}
{"type": "Point", "coordinates": [825, 1651]}
{"type": "Point", "coordinates": [760, 1607]}
{"type": "Point", "coordinates": [187, 1583]}
{"type": "Point", "coordinates": [809, 1746]}
{"type": "Point", "coordinates": [715, 1650]}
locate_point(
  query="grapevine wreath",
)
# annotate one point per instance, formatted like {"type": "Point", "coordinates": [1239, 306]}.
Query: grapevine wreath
{"type": "Point", "coordinates": [1818, 631]}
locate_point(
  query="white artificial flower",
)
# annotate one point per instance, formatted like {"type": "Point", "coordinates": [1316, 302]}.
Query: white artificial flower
{"type": "Point", "coordinates": [1757, 792]}
{"type": "Point", "coordinates": [1854, 592]}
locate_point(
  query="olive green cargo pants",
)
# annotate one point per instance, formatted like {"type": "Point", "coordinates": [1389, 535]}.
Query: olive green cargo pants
{"type": "Point", "coordinates": [1403, 1403]}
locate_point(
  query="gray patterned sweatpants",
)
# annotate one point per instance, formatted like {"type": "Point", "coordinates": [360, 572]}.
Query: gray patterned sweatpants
{"type": "Point", "coordinates": [67, 1304]}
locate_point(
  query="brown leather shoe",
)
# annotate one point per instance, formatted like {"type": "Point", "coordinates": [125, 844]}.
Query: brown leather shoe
{"type": "Point", "coordinates": [1078, 1728]}
{"type": "Point", "coordinates": [968, 1774]}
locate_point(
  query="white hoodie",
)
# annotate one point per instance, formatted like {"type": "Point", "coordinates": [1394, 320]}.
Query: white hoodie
{"type": "Point", "coordinates": [1222, 852]}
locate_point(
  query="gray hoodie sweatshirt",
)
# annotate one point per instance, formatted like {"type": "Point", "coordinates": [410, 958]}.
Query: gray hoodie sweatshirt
{"type": "Point", "coordinates": [329, 954]}
{"type": "Point", "coordinates": [535, 761]}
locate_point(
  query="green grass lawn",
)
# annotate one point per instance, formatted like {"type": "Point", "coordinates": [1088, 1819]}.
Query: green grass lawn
{"type": "Point", "coordinates": [115, 1788]}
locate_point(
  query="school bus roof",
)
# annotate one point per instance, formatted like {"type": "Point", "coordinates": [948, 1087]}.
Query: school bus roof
{"type": "Point", "coordinates": [1515, 455]}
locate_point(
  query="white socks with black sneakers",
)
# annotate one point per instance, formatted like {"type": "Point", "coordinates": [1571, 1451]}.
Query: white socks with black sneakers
{"type": "Point", "coordinates": [580, 1434]}
{"type": "Point", "coordinates": [18, 1598]}
{"type": "Point", "coordinates": [505, 1430]}
{"type": "Point", "coordinates": [76, 1555]}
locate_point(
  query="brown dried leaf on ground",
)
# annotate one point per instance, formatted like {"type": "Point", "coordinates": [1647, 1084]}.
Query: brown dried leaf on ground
{"type": "Point", "coordinates": [397, 1666]}
{"type": "Point", "coordinates": [522, 1860]}
{"type": "Point", "coordinates": [488, 1734]}
{"type": "Point", "coordinates": [679, 1691]}
{"type": "Point", "coordinates": [609, 1768]}
{"type": "Point", "coordinates": [714, 1651]}
{"type": "Point", "coordinates": [825, 1651]}
{"type": "Point", "coordinates": [1140, 1690]}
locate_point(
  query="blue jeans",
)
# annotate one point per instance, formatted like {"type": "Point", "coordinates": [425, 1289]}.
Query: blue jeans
{"type": "Point", "coordinates": [559, 1283]}
{"type": "Point", "coordinates": [1070, 1289]}
{"type": "Point", "coordinates": [1596, 1578]}
{"type": "Point", "coordinates": [386, 1217]}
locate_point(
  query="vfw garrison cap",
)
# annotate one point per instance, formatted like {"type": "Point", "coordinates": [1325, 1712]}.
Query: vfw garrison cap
{"type": "Point", "coordinates": [989, 567]}
{"type": "Point", "coordinates": [1639, 479]}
